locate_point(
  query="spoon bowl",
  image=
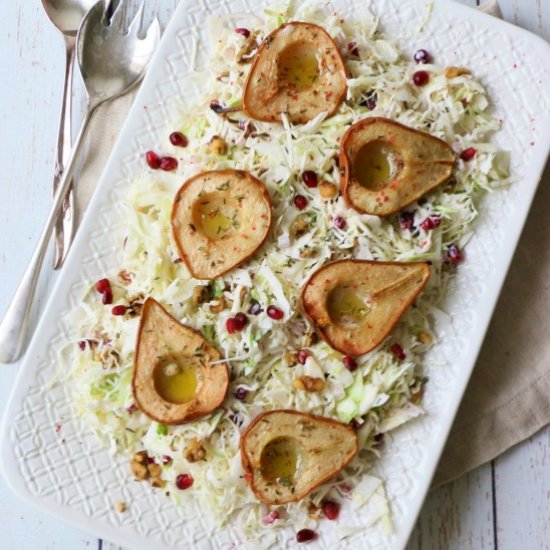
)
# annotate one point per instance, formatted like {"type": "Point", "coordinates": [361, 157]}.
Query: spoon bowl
{"type": "Point", "coordinates": [66, 15]}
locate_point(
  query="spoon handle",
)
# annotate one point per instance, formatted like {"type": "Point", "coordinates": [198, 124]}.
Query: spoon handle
{"type": "Point", "coordinates": [14, 326]}
{"type": "Point", "coordinates": [65, 224]}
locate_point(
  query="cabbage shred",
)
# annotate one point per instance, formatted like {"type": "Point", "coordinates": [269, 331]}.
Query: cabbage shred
{"type": "Point", "coordinates": [384, 392]}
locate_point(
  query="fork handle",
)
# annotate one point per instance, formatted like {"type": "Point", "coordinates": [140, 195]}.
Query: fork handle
{"type": "Point", "coordinates": [13, 328]}
{"type": "Point", "coordinates": [65, 224]}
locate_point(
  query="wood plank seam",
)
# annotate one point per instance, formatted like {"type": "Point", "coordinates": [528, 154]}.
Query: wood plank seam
{"type": "Point", "coordinates": [494, 502]}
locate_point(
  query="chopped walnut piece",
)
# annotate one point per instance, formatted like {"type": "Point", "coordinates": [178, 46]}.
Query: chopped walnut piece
{"type": "Point", "coordinates": [291, 358]}
{"type": "Point", "coordinates": [311, 339]}
{"type": "Point", "coordinates": [424, 338]}
{"type": "Point", "coordinates": [125, 277]}
{"type": "Point", "coordinates": [154, 469]}
{"type": "Point", "coordinates": [309, 383]}
{"type": "Point", "coordinates": [158, 482]}
{"type": "Point", "coordinates": [299, 227]}
{"type": "Point", "coordinates": [139, 470]}
{"type": "Point", "coordinates": [243, 294]}
{"type": "Point", "coordinates": [219, 306]}
{"type": "Point", "coordinates": [144, 467]}
{"type": "Point", "coordinates": [306, 252]}
{"type": "Point", "coordinates": [314, 511]}
{"type": "Point", "coordinates": [109, 357]}
{"type": "Point", "coordinates": [451, 72]}
{"type": "Point", "coordinates": [135, 305]}
{"type": "Point", "coordinates": [327, 190]}
{"type": "Point", "coordinates": [140, 456]}
{"type": "Point", "coordinates": [120, 506]}
{"type": "Point", "coordinates": [222, 77]}
{"type": "Point", "coordinates": [201, 294]}
{"type": "Point", "coordinates": [217, 145]}
{"type": "Point", "coordinates": [244, 55]}
{"type": "Point", "coordinates": [194, 452]}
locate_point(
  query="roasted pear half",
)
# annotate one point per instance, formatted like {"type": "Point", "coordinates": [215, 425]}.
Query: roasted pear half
{"type": "Point", "coordinates": [177, 374]}
{"type": "Point", "coordinates": [385, 165]}
{"type": "Point", "coordinates": [219, 220]}
{"type": "Point", "coordinates": [287, 454]}
{"type": "Point", "coordinates": [298, 71]}
{"type": "Point", "coordinates": [356, 303]}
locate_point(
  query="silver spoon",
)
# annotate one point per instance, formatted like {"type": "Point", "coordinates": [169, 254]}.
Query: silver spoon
{"type": "Point", "coordinates": [66, 16]}
{"type": "Point", "coordinates": [112, 60]}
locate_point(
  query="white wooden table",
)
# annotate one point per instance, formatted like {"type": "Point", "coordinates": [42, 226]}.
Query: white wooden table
{"type": "Point", "coordinates": [505, 504]}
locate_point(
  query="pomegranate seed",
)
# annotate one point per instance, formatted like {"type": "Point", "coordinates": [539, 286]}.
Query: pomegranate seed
{"type": "Point", "coordinates": [302, 356]}
{"type": "Point", "coordinates": [378, 440]}
{"type": "Point", "coordinates": [149, 460]}
{"type": "Point", "coordinates": [119, 310]}
{"type": "Point", "coordinates": [178, 139]}
{"type": "Point", "coordinates": [397, 350]}
{"type": "Point", "coordinates": [107, 297]}
{"type": "Point", "coordinates": [242, 319]}
{"type": "Point", "coordinates": [241, 393]}
{"type": "Point", "coordinates": [309, 177]}
{"type": "Point", "coordinates": [468, 154]}
{"type": "Point", "coordinates": [102, 285]}
{"type": "Point", "coordinates": [305, 535]}
{"type": "Point", "coordinates": [132, 408]}
{"type": "Point", "coordinates": [421, 78]}
{"type": "Point", "coordinates": [300, 202]}
{"type": "Point", "coordinates": [168, 164]}
{"type": "Point", "coordinates": [406, 220]}
{"type": "Point", "coordinates": [331, 509]}
{"type": "Point", "coordinates": [345, 488]}
{"type": "Point", "coordinates": [270, 518]}
{"type": "Point", "coordinates": [370, 101]}
{"type": "Point", "coordinates": [275, 312]}
{"type": "Point", "coordinates": [243, 31]}
{"type": "Point", "coordinates": [184, 481]}
{"type": "Point", "coordinates": [231, 325]}
{"type": "Point", "coordinates": [349, 362]}
{"type": "Point", "coordinates": [340, 222]}
{"type": "Point", "coordinates": [431, 222]}
{"type": "Point", "coordinates": [82, 344]}
{"type": "Point", "coordinates": [353, 49]}
{"type": "Point", "coordinates": [153, 160]}
{"type": "Point", "coordinates": [422, 56]}
{"type": "Point", "coordinates": [255, 308]}
{"type": "Point", "coordinates": [237, 323]}
{"type": "Point", "coordinates": [216, 106]}
{"type": "Point", "coordinates": [454, 255]}
{"type": "Point", "coordinates": [166, 459]}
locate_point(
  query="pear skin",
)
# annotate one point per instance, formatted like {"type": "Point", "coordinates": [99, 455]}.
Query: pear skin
{"type": "Point", "coordinates": [286, 454]}
{"type": "Point", "coordinates": [385, 166]}
{"type": "Point", "coordinates": [355, 304]}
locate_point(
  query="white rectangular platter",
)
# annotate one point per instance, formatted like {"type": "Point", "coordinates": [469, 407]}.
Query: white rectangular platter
{"type": "Point", "coordinates": [66, 472]}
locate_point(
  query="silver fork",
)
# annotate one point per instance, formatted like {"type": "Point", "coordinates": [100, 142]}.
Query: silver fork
{"type": "Point", "coordinates": [112, 59]}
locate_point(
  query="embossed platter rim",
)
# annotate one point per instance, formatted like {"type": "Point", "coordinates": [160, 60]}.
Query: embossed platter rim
{"type": "Point", "coordinates": [67, 474]}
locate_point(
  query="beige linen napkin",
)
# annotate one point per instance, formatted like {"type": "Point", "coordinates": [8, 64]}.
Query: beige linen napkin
{"type": "Point", "coordinates": [506, 400]}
